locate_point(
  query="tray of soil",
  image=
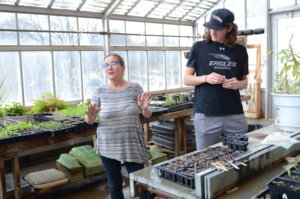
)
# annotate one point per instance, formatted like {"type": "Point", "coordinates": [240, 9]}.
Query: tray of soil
{"type": "Point", "coordinates": [284, 188]}
{"type": "Point", "coordinates": [182, 170]}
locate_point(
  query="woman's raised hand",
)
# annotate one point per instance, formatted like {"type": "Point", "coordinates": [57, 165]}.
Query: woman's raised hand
{"type": "Point", "coordinates": [144, 100]}
{"type": "Point", "coordinates": [91, 113]}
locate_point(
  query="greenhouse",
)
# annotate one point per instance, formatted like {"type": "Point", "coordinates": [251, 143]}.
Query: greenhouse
{"type": "Point", "coordinates": [149, 99]}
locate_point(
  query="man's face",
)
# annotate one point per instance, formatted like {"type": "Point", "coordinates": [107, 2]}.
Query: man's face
{"type": "Point", "coordinates": [218, 35]}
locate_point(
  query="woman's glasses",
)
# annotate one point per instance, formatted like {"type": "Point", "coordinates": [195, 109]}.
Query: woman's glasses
{"type": "Point", "coordinates": [111, 64]}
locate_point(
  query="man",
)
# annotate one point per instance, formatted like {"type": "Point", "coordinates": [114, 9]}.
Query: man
{"type": "Point", "coordinates": [218, 68]}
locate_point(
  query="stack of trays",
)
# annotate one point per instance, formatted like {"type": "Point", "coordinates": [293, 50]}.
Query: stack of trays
{"type": "Point", "coordinates": [70, 166]}
{"type": "Point", "coordinates": [236, 141]}
{"type": "Point", "coordinates": [89, 159]}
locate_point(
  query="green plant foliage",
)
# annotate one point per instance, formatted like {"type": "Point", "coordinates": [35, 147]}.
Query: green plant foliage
{"type": "Point", "coordinates": [48, 103]}
{"type": "Point", "coordinates": [15, 109]}
{"type": "Point", "coordinates": [78, 110]}
{"type": "Point", "coordinates": [53, 125]}
{"type": "Point", "coordinates": [14, 129]}
{"type": "Point", "coordinates": [288, 78]}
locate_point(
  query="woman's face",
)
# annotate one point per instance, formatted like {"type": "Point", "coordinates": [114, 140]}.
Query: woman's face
{"type": "Point", "coordinates": [218, 35]}
{"type": "Point", "coordinates": [112, 68]}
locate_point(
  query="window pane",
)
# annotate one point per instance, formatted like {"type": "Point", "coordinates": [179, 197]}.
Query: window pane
{"type": "Point", "coordinates": [8, 38]}
{"type": "Point", "coordinates": [171, 41]}
{"type": "Point", "coordinates": [171, 29]}
{"type": "Point", "coordinates": [37, 75]}
{"type": "Point", "coordinates": [117, 26]}
{"type": "Point", "coordinates": [186, 30]}
{"type": "Point", "coordinates": [67, 75]}
{"type": "Point", "coordinates": [33, 22]}
{"type": "Point", "coordinates": [135, 27]}
{"type": "Point", "coordinates": [279, 3]}
{"type": "Point", "coordinates": [7, 20]}
{"type": "Point", "coordinates": [186, 41]}
{"type": "Point", "coordinates": [63, 23]}
{"type": "Point", "coordinates": [91, 39]}
{"type": "Point", "coordinates": [123, 54]}
{"type": "Point", "coordinates": [173, 69]}
{"type": "Point", "coordinates": [93, 75]}
{"type": "Point", "coordinates": [154, 41]}
{"type": "Point", "coordinates": [12, 75]}
{"type": "Point", "coordinates": [64, 39]}
{"type": "Point", "coordinates": [34, 38]}
{"type": "Point", "coordinates": [134, 40]}
{"type": "Point", "coordinates": [117, 40]}
{"type": "Point", "coordinates": [156, 65]}
{"type": "Point", "coordinates": [90, 24]}
{"type": "Point", "coordinates": [137, 61]}
{"type": "Point", "coordinates": [154, 29]}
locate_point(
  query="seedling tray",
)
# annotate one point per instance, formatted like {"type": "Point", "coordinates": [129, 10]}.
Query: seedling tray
{"type": "Point", "coordinates": [182, 170]}
{"type": "Point", "coordinates": [284, 188]}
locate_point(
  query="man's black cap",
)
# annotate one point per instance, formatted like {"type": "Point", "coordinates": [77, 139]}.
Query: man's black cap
{"type": "Point", "coordinates": [220, 19]}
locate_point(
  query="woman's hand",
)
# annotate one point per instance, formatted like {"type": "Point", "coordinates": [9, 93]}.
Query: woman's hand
{"type": "Point", "coordinates": [143, 102]}
{"type": "Point", "coordinates": [91, 113]}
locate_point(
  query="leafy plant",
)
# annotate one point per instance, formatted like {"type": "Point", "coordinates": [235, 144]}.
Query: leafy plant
{"type": "Point", "coordinates": [53, 125]}
{"type": "Point", "coordinates": [288, 78]}
{"type": "Point", "coordinates": [15, 109]}
{"type": "Point", "coordinates": [48, 103]}
{"type": "Point", "coordinates": [75, 111]}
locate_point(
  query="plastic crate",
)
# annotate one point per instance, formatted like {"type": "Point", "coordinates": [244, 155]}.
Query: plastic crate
{"type": "Point", "coordinates": [89, 159]}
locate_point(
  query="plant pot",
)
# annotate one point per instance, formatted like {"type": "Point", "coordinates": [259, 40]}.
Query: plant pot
{"type": "Point", "coordinates": [288, 111]}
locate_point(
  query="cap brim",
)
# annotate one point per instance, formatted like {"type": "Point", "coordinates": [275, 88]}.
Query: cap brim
{"type": "Point", "coordinates": [212, 26]}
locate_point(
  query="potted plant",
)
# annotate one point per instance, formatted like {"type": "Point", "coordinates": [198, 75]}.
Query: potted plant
{"type": "Point", "coordinates": [286, 94]}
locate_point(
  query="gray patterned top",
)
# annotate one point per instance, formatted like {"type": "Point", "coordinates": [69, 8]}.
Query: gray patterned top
{"type": "Point", "coordinates": [120, 132]}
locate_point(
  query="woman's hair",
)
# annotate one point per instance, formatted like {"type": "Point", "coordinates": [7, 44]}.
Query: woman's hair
{"type": "Point", "coordinates": [230, 37]}
{"type": "Point", "coordinates": [120, 59]}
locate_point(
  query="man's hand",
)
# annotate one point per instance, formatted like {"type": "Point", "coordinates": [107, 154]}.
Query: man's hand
{"type": "Point", "coordinates": [232, 83]}
{"type": "Point", "coordinates": [215, 78]}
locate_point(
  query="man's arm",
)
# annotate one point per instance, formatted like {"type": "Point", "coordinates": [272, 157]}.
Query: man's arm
{"type": "Point", "coordinates": [190, 80]}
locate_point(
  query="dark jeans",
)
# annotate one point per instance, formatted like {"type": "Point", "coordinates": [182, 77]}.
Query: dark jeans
{"type": "Point", "coordinates": [112, 169]}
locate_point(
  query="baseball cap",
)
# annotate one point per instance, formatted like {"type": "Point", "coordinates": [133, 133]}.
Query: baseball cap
{"type": "Point", "coordinates": [220, 19]}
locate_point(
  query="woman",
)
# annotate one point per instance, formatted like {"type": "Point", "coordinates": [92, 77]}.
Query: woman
{"type": "Point", "coordinates": [221, 68]}
{"type": "Point", "coordinates": [119, 133]}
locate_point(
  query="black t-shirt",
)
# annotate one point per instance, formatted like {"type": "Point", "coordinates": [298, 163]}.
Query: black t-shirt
{"type": "Point", "coordinates": [213, 99]}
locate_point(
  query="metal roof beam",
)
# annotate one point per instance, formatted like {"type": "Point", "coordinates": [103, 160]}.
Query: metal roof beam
{"type": "Point", "coordinates": [112, 6]}
{"type": "Point", "coordinates": [34, 10]}
{"type": "Point", "coordinates": [80, 5]}
{"type": "Point", "coordinates": [151, 20]}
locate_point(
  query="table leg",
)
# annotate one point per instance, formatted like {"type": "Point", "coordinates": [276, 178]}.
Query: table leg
{"type": "Point", "coordinates": [16, 176]}
{"type": "Point", "coordinates": [183, 149]}
{"type": "Point", "coordinates": [177, 136]}
{"type": "Point", "coordinates": [3, 192]}
{"type": "Point", "coordinates": [146, 132]}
